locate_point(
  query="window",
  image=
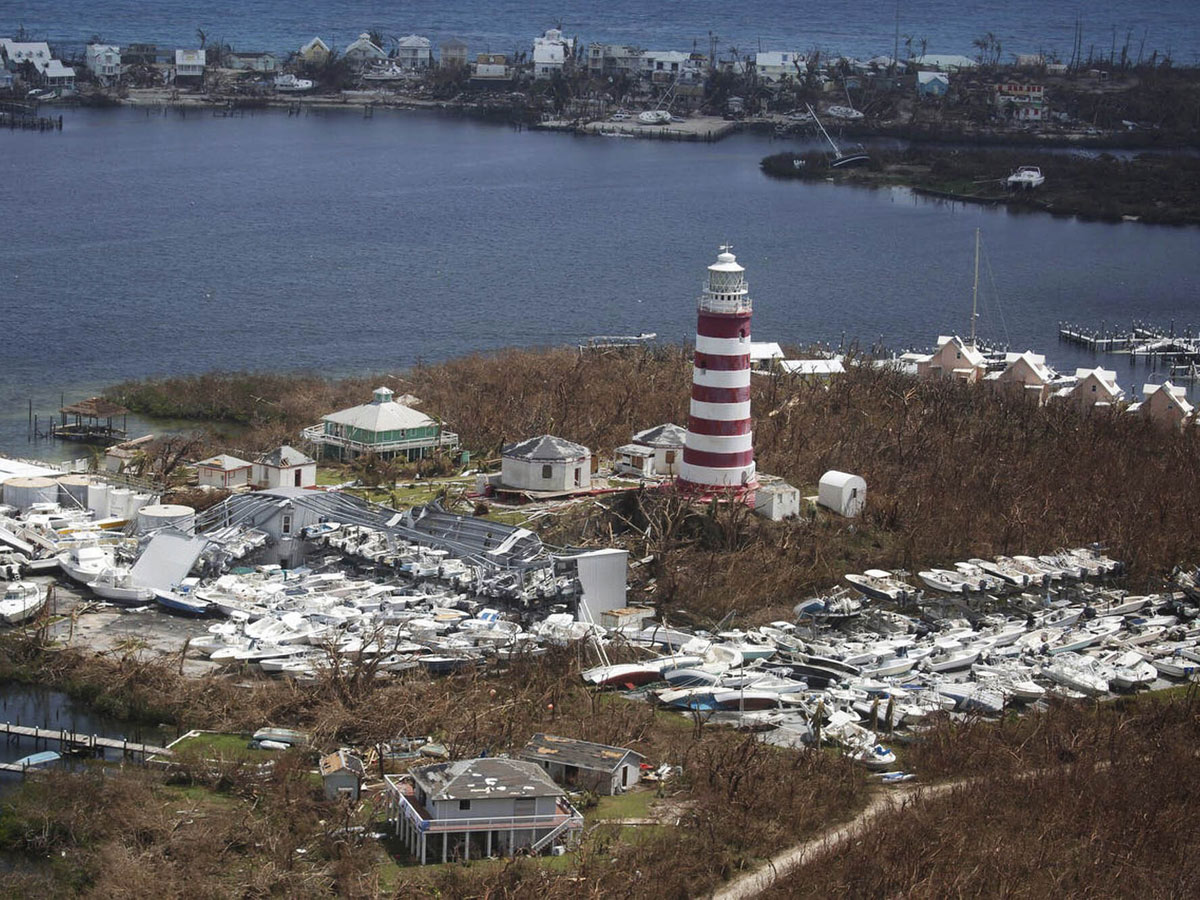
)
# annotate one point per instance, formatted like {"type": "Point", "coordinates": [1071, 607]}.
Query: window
{"type": "Point", "coordinates": [669, 456]}
{"type": "Point", "coordinates": [1093, 389]}
{"type": "Point", "coordinates": [464, 804]}
{"type": "Point", "coordinates": [547, 472]}
{"type": "Point", "coordinates": [286, 526]}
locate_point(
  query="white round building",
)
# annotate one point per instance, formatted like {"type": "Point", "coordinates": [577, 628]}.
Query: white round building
{"type": "Point", "coordinates": [718, 451]}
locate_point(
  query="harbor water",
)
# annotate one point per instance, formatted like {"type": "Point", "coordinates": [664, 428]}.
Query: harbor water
{"type": "Point", "coordinates": [159, 243]}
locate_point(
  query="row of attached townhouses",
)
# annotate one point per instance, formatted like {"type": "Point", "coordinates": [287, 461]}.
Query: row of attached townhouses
{"type": "Point", "coordinates": [1027, 374]}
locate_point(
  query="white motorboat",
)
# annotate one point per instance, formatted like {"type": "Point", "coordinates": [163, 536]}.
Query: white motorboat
{"type": "Point", "coordinates": [950, 657]}
{"type": "Point", "coordinates": [1130, 670]}
{"type": "Point", "coordinates": [84, 562]}
{"type": "Point", "coordinates": [116, 583]}
{"type": "Point", "coordinates": [973, 697]}
{"type": "Point", "coordinates": [986, 580]}
{"type": "Point", "coordinates": [1079, 673]}
{"type": "Point", "coordinates": [1007, 573]}
{"type": "Point", "coordinates": [848, 113]}
{"type": "Point", "coordinates": [1176, 666]}
{"type": "Point", "coordinates": [290, 84]}
{"type": "Point", "coordinates": [1026, 177]}
{"type": "Point", "coordinates": [22, 600]}
{"type": "Point", "coordinates": [949, 582]}
{"type": "Point", "coordinates": [880, 584]}
{"type": "Point", "coordinates": [390, 72]}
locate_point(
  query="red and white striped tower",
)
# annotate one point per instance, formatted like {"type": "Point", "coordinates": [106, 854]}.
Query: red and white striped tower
{"type": "Point", "coordinates": [718, 451]}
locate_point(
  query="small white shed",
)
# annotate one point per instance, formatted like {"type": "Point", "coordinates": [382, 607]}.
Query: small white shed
{"type": "Point", "coordinates": [842, 492]}
{"type": "Point", "coordinates": [776, 500]}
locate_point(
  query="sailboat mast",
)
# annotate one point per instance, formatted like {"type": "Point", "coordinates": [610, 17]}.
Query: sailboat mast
{"type": "Point", "coordinates": [975, 290]}
{"type": "Point", "coordinates": [837, 152]}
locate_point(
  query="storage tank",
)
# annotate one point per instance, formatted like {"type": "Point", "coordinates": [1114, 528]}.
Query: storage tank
{"type": "Point", "coordinates": [136, 502]}
{"type": "Point", "coordinates": [160, 515]}
{"type": "Point", "coordinates": [73, 491]}
{"type": "Point", "coordinates": [24, 491]}
{"type": "Point", "coordinates": [118, 502]}
{"type": "Point", "coordinates": [97, 500]}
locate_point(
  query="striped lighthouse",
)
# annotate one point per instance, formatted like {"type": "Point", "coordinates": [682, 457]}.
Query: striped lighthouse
{"type": "Point", "coordinates": [718, 451]}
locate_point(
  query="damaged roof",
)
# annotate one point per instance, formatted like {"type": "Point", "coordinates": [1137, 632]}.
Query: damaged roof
{"type": "Point", "coordinates": [546, 447]}
{"type": "Point", "coordinates": [666, 435]}
{"type": "Point", "coordinates": [487, 778]}
{"type": "Point", "coordinates": [284, 456]}
{"type": "Point", "coordinates": [342, 760]}
{"type": "Point", "coordinates": [572, 752]}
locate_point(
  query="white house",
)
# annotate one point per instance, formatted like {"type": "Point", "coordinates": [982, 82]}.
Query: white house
{"type": "Point", "coordinates": [104, 62]}
{"type": "Point", "coordinates": [654, 453]}
{"type": "Point", "coordinates": [953, 358]}
{"type": "Point", "coordinates": [583, 765]}
{"type": "Point", "coordinates": [819, 369]}
{"type": "Point", "coordinates": [414, 52]}
{"type": "Point", "coordinates": [1164, 403]}
{"type": "Point", "coordinates": [545, 464]}
{"type": "Point", "coordinates": [189, 64]}
{"type": "Point", "coordinates": [775, 65]}
{"type": "Point", "coordinates": [946, 62]}
{"type": "Point", "coordinates": [667, 65]}
{"type": "Point", "coordinates": [223, 471]}
{"type": "Point", "coordinates": [285, 467]}
{"type": "Point", "coordinates": [1094, 387]}
{"type": "Point", "coordinates": [364, 51]}
{"type": "Point", "coordinates": [479, 808]}
{"type": "Point", "coordinates": [49, 71]}
{"type": "Point", "coordinates": [316, 52]}
{"type": "Point", "coordinates": [775, 499]}
{"type": "Point", "coordinates": [765, 355]}
{"type": "Point", "coordinates": [551, 53]}
{"type": "Point", "coordinates": [843, 493]}
{"type": "Point", "coordinates": [342, 774]}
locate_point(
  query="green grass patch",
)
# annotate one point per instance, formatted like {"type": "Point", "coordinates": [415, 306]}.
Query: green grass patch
{"type": "Point", "coordinates": [226, 746]}
{"type": "Point", "coordinates": [633, 805]}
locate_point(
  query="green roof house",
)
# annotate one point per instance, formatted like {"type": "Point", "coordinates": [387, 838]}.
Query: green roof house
{"type": "Point", "coordinates": [383, 427]}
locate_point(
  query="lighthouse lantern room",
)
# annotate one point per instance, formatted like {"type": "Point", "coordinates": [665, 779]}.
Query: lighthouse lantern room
{"type": "Point", "coordinates": [718, 451]}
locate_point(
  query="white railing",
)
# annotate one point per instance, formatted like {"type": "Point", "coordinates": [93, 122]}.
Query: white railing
{"type": "Point", "coordinates": [565, 816]}
{"type": "Point", "coordinates": [315, 434]}
{"type": "Point", "coordinates": [709, 303]}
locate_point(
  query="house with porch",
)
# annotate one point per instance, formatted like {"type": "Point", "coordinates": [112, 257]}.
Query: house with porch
{"type": "Point", "coordinates": [383, 427]}
{"type": "Point", "coordinates": [363, 51]}
{"type": "Point", "coordinates": [189, 65]}
{"type": "Point", "coordinates": [479, 808]}
{"type": "Point", "coordinates": [104, 62]}
{"type": "Point", "coordinates": [315, 53]}
{"type": "Point", "coordinates": [253, 61]}
{"type": "Point", "coordinates": [953, 358]}
{"type": "Point", "coordinates": [1020, 102]}
{"type": "Point", "coordinates": [551, 53]}
{"type": "Point", "coordinates": [414, 52]}
{"type": "Point", "coordinates": [773, 66]}
{"type": "Point", "coordinates": [582, 765]}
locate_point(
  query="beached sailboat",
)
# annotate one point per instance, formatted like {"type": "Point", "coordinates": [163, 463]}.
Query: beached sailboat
{"type": "Point", "coordinates": [840, 159]}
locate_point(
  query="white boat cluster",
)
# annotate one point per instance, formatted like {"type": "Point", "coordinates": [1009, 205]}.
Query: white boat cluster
{"type": "Point", "coordinates": [848, 670]}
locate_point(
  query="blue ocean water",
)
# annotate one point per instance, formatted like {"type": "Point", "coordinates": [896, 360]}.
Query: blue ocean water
{"type": "Point", "coordinates": [154, 244]}
{"type": "Point", "coordinates": [863, 28]}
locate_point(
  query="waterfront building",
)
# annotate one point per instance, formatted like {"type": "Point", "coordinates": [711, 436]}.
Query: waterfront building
{"type": "Point", "coordinates": [47, 71]}
{"type": "Point", "coordinates": [583, 765]}
{"type": "Point", "coordinates": [654, 453]}
{"type": "Point", "coordinates": [314, 53]}
{"type": "Point", "coordinates": [1020, 102]}
{"type": "Point", "coordinates": [479, 808]}
{"type": "Point", "coordinates": [414, 52]}
{"type": "Point", "coordinates": [453, 54]}
{"type": "Point", "coordinates": [932, 84]}
{"type": "Point", "coordinates": [718, 451]}
{"type": "Point", "coordinates": [140, 55]}
{"type": "Point", "coordinates": [104, 62]}
{"type": "Point", "coordinates": [1026, 374]}
{"type": "Point", "coordinates": [953, 358]}
{"type": "Point", "coordinates": [669, 65]}
{"type": "Point", "coordinates": [551, 53]}
{"type": "Point", "coordinates": [774, 65]}
{"type": "Point", "coordinates": [383, 427]}
{"type": "Point", "coordinates": [545, 464]}
{"type": "Point", "coordinates": [1093, 387]}
{"type": "Point", "coordinates": [945, 62]}
{"type": "Point", "coordinates": [614, 59]}
{"type": "Point", "coordinates": [189, 64]}
{"type": "Point", "coordinates": [491, 70]}
{"type": "Point", "coordinates": [285, 467]}
{"type": "Point", "coordinates": [363, 51]}
{"type": "Point", "coordinates": [223, 471]}
{"type": "Point", "coordinates": [254, 61]}
{"type": "Point", "coordinates": [1165, 403]}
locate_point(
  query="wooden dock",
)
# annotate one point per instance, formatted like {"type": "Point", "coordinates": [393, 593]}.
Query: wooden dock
{"type": "Point", "coordinates": [73, 741]}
